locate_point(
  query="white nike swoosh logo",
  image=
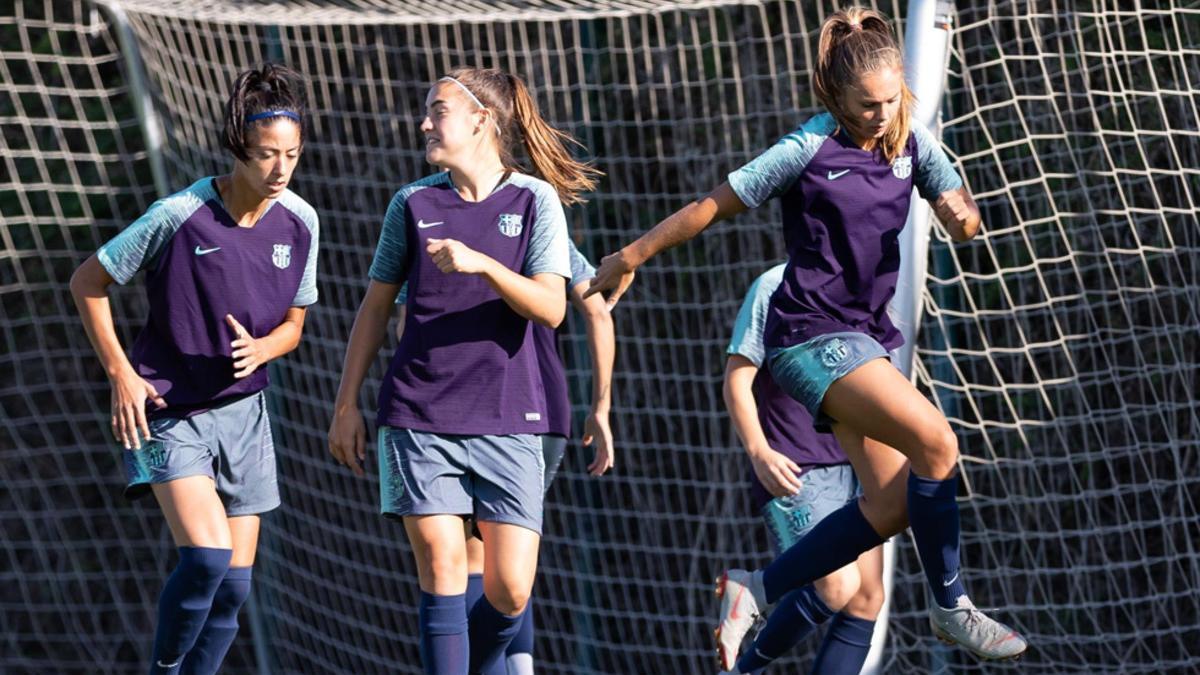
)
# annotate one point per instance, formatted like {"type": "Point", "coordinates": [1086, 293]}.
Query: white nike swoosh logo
{"type": "Point", "coordinates": [160, 664]}
{"type": "Point", "coordinates": [947, 583]}
{"type": "Point", "coordinates": [834, 175]}
{"type": "Point", "coordinates": [422, 224]}
{"type": "Point", "coordinates": [206, 251]}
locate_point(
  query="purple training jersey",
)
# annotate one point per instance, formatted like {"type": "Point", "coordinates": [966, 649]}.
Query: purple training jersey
{"type": "Point", "coordinates": [467, 363]}
{"type": "Point", "coordinates": [200, 265]}
{"type": "Point", "coordinates": [843, 210]}
{"type": "Point", "coordinates": [785, 422]}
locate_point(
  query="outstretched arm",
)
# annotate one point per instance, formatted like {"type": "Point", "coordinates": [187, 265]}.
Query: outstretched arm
{"type": "Point", "coordinates": [616, 270]}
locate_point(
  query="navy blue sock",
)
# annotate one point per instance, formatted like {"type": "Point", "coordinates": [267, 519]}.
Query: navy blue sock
{"type": "Point", "coordinates": [221, 627]}
{"type": "Point", "coordinates": [845, 647]}
{"type": "Point", "coordinates": [522, 642]}
{"type": "Point", "coordinates": [474, 591]}
{"type": "Point", "coordinates": [491, 631]}
{"type": "Point", "coordinates": [184, 603]}
{"type": "Point", "coordinates": [795, 616]}
{"type": "Point", "coordinates": [444, 644]}
{"type": "Point", "coordinates": [836, 541]}
{"type": "Point", "coordinates": [933, 517]}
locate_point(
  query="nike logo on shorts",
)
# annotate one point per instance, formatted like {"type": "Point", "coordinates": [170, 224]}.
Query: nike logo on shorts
{"type": "Point", "coordinates": [834, 175]}
{"type": "Point", "coordinates": [422, 224]}
{"type": "Point", "coordinates": [206, 251]}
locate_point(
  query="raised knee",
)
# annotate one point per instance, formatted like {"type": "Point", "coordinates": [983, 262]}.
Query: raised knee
{"type": "Point", "coordinates": [941, 454]}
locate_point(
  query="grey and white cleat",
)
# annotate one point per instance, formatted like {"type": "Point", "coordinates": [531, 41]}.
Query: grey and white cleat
{"type": "Point", "coordinates": [966, 626]}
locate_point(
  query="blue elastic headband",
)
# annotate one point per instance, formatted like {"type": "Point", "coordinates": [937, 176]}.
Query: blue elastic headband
{"type": "Point", "coordinates": [272, 113]}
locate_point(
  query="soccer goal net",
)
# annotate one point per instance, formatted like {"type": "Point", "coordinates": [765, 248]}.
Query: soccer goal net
{"type": "Point", "coordinates": [1062, 343]}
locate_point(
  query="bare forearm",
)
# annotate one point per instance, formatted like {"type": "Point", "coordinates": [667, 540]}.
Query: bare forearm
{"type": "Point", "coordinates": [366, 337]}
{"type": "Point", "coordinates": [685, 224]}
{"type": "Point", "coordinates": [739, 399]}
{"type": "Point", "coordinates": [95, 311]}
{"type": "Point", "coordinates": [283, 339]}
{"type": "Point", "coordinates": [603, 347]}
{"type": "Point", "coordinates": [536, 301]}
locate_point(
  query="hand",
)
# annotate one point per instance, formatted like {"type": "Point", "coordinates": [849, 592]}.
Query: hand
{"type": "Point", "coordinates": [615, 274]}
{"type": "Point", "coordinates": [248, 353]}
{"type": "Point", "coordinates": [451, 255]}
{"type": "Point", "coordinates": [951, 207]}
{"type": "Point", "coordinates": [778, 474]}
{"type": "Point", "coordinates": [129, 394]}
{"type": "Point", "coordinates": [597, 432]}
{"type": "Point", "coordinates": [348, 439]}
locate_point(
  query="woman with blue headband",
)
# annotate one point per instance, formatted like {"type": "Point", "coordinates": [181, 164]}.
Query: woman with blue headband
{"type": "Point", "coordinates": [230, 267]}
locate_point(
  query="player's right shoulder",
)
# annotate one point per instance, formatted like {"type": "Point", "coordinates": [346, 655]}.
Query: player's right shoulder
{"type": "Point", "coordinates": [403, 194]}
{"type": "Point", "coordinates": [812, 133]}
{"type": "Point", "coordinates": [174, 209]}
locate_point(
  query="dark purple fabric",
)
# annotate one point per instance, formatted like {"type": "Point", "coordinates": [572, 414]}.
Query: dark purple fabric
{"type": "Point", "coordinates": [789, 429]}
{"type": "Point", "coordinates": [183, 350]}
{"type": "Point", "coordinates": [842, 236]}
{"type": "Point", "coordinates": [554, 380]}
{"type": "Point", "coordinates": [467, 363]}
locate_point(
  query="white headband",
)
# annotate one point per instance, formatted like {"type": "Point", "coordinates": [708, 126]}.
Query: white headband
{"type": "Point", "coordinates": [472, 97]}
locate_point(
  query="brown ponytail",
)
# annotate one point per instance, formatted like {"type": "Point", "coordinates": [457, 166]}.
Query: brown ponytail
{"type": "Point", "coordinates": [516, 116]}
{"type": "Point", "coordinates": [855, 41]}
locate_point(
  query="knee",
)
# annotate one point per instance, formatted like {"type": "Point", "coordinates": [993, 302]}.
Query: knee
{"type": "Point", "coordinates": [508, 599]}
{"type": "Point", "coordinates": [940, 459]}
{"type": "Point", "coordinates": [867, 602]}
{"type": "Point", "coordinates": [838, 588]}
{"type": "Point", "coordinates": [204, 564]}
{"type": "Point", "coordinates": [440, 566]}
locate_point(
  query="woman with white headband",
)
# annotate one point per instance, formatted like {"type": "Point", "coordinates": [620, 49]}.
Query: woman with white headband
{"type": "Point", "coordinates": [230, 272]}
{"type": "Point", "coordinates": [483, 249]}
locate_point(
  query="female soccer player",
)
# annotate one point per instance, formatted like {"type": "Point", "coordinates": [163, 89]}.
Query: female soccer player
{"type": "Point", "coordinates": [845, 179]}
{"type": "Point", "coordinates": [230, 271]}
{"type": "Point", "coordinates": [596, 430]}
{"type": "Point", "coordinates": [781, 442]}
{"type": "Point", "coordinates": [483, 248]}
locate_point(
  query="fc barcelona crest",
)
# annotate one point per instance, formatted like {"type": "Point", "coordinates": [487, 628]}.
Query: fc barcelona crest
{"type": "Point", "coordinates": [902, 167]}
{"type": "Point", "coordinates": [282, 257]}
{"type": "Point", "coordinates": [510, 224]}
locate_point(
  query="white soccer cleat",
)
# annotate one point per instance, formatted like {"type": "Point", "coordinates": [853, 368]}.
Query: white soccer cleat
{"type": "Point", "coordinates": [742, 603]}
{"type": "Point", "coordinates": [970, 628]}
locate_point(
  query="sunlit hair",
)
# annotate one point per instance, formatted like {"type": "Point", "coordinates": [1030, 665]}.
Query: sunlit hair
{"type": "Point", "coordinates": [856, 41]}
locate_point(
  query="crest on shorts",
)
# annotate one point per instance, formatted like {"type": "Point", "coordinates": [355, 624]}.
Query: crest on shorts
{"type": "Point", "coordinates": [510, 224]}
{"type": "Point", "coordinates": [902, 167]}
{"type": "Point", "coordinates": [282, 257]}
{"type": "Point", "coordinates": [834, 352]}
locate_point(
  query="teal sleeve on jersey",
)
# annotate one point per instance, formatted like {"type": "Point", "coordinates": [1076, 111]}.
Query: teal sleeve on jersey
{"type": "Point", "coordinates": [137, 247]}
{"type": "Point", "coordinates": [390, 265]}
{"type": "Point", "coordinates": [306, 294]}
{"type": "Point", "coordinates": [935, 174]}
{"type": "Point", "coordinates": [581, 268]}
{"type": "Point", "coordinates": [773, 172]}
{"type": "Point", "coordinates": [747, 339]}
{"type": "Point", "coordinates": [547, 251]}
